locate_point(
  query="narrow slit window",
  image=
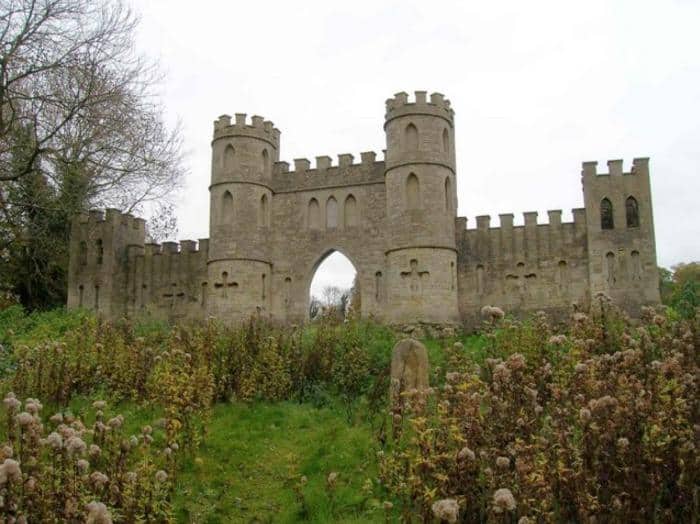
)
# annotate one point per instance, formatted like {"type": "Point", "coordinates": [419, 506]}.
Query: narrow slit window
{"type": "Point", "coordinates": [82, 255]}
{"type": "Point", "coordinates": [99, 248]}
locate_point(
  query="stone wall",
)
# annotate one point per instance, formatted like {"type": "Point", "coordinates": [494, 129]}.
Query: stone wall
{"type": "Point", "coordinates": [395, 219]}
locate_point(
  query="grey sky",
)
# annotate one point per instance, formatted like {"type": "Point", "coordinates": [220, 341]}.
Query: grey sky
{"type": "Point", "coordinates": [537, 88]}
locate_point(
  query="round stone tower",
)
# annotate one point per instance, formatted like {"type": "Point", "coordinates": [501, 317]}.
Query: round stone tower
{"type": "Point", "coordinates": [421, 201]}
{"type": "Point", "coordinates": [239, 263]}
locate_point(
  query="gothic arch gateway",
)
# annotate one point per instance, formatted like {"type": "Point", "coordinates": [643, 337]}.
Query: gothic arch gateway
{"type": "Point", "coordinates": [394, 218]}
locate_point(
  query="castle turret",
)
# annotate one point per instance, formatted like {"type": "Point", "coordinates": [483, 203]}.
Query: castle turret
{"type": "Point", "coordinates": [239, 263]}
{"type": "Point", "coordinates": [421, 209]}
{"type": "Point", "coordinates": [620, 233]}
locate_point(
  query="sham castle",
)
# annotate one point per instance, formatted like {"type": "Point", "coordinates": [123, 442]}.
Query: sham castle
{"type": "Point", "coordinates": [395, 219]}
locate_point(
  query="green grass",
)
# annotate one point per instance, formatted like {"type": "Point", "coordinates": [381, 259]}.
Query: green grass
{"type": "Point", "coordinates": [255, 453]}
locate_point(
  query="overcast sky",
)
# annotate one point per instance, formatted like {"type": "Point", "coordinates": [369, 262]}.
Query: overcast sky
{"type": "Point", "coordinates": [537, 87]}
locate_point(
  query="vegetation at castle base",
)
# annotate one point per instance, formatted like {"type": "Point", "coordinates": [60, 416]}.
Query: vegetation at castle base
{"type": "Point", "coordinates": [595, 418]}
{"type": "Point", "coordinates": [597, 421]}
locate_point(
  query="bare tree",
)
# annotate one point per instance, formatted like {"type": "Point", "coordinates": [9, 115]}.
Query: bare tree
{"type": "Point", "coordinates": [331, 295]}
{"type": "Point", "coordinates": [80, 126]}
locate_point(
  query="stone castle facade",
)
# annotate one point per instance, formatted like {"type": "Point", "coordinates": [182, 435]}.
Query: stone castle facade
{"type": "Point", "coordinates": [396, 220]}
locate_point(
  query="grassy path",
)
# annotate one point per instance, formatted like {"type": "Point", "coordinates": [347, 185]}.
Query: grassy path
{"type": "Point", "coordinates": [255, 453]}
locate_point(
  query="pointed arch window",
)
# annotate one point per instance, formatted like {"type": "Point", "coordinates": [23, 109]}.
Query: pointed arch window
{"type": "Point", "coordinates": [227, 208]}
{"type": "Point", "coordinates": [314, 214]}
{"type": "Point", "coordinates": [412, 192]}
{"type": "Point", "coordinates": [607, 220]}
{"type": "Point", "coordinates": [266, 162]}
{"type": "Point", "coordinates": [350, 211]}
{"type": "Point", "coordinates": [229, 155]}
{"type": "Point", "coordinates": [331, 213]}
{"type": "Point", "coordinates": [445, 140]}
{"type": "Point", "coordinates": [411, 138]}
{"type": "Point", "coordinates": [632, 211]}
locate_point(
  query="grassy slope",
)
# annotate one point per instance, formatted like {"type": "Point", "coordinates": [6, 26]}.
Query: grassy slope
{"type": "Point", "coordinates": [255, 453]}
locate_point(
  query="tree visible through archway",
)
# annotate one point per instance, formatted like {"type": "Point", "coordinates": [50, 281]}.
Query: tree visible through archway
{"type": "Point", "coordinates": [333, 288]}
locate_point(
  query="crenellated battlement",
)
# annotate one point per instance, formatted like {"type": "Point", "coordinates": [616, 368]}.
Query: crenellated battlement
{"type": "Point", "coordinates": [257, 128]}
{"type": "Point", "coordinates": [530, 248]}
{"type": "Point", "coordinates": [96, 219]}
{"type": "Point", "coordinates": [399, 105]}
{"type": "Point", "coordinates": [530, 220]}
{"type": "Point", "coordinates": [183, 247]}
{"type": "Point", "coordinates": [615, 167]}
{"type": "Point", "coordinates": [325, 163]}
{"type": "Point", "coordinates": [327, 173]}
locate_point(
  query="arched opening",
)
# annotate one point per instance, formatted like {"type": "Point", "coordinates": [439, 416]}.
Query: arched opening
{"type": "Point", "coordinates": [448, 194]}
{"type": "Point", "coordinates": [607, 220]}
{"type": "Point", "coordinates": [632, 211]}
{"type": "Point", "coordinates": [331, 213]}
{"type": "Point", "coordinates": [229, 156]}
{"type": "Point", "coordinates": [314, 215]}
{"type": "Point", "coordinates": [227, 208]}
{"type": "Point", "coordinates": [412, 192]}
{"type": "Point", "coordinates": [333, 288]}
{"type": "Point", "coordinates": [266, 162]}
{"type": "Point", "coordinates": [264, 212]}
{"type": "Point", "coordinates": [350, 211]}
{"type": "Point", "coordinates": [411, 138]}
{"type": "Point", "coordinates": [445, 141]}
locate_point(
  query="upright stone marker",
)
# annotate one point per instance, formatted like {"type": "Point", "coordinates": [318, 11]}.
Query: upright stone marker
{"type": "Point", "coordinates": [409, 367]}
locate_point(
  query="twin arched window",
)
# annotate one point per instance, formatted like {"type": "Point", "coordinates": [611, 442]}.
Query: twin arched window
{"type": "Point", "coordinates": [607, 220]}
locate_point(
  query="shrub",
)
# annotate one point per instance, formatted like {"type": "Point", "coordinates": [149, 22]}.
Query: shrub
{"type": "Point", "coordinates": [65, 470]}
{"type": "Point", "coordinates": [598, 421]}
